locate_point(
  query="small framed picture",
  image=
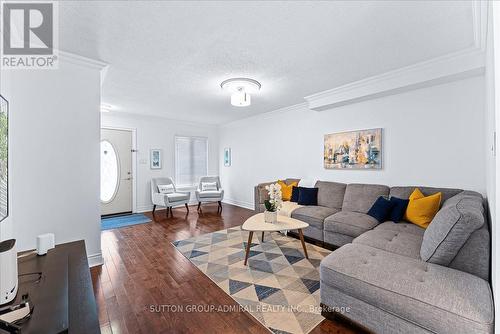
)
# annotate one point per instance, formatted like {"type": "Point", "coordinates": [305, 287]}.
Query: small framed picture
{"type": "Point", "coordinates": [155, 158]}
{"type": "Point", "coordinates": [227, 157]}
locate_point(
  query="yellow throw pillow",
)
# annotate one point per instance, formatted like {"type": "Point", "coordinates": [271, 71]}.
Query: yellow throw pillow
{"type": "Point", "coordinates": [421, 209]}
{"type": "Point", "coordinates": [286, 190]}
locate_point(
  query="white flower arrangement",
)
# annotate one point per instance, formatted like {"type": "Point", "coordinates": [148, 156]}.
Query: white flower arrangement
{"type": "Point", "coordinates": [273, 204]}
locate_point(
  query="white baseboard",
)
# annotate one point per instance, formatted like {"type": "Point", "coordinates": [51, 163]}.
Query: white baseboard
{"type": "Point", "coordinates": [242, 204]}
{"type": "Point", "coordinates": [95, 260]}
{"type": "Point", "coordinates": [141, 209]}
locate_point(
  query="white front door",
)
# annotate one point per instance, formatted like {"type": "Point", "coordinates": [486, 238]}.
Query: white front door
{"type": "Point", "coordinates": [116, 171]}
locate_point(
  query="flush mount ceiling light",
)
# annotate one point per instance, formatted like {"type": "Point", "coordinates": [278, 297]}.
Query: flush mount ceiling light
{"type": "Point", "coordinates": [240, 89]}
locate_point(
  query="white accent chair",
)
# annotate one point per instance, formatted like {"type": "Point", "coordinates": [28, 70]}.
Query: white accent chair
{"type": "Point", "coordinates": [169, 200]}
{"type": "Point", "coordinates": [206, 196]}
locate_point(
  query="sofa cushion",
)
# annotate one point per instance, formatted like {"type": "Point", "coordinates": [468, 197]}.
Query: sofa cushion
{"type": "Point", "coordinates": [350, 223]}
{"type": "Point", "coordinates": [474, 256]}
{"type": "Point", "coordinates": [336, 239]}
{"type": "Point", "coordinates": [330, 194]}
{"type": "Point", "coordinates": [401, 227]}
{"type": "Point", "coordinates": [360, 197]}
{"type": "Point", "coordinates": [176, 197]}
{"type": "Point", "coordinates": [457, 198]}
{"type": "Point", "coordinates": [313, 215]}
{"type": "Point", "coordinates": [374, 319]}
{"type": "Point", "coordinates": [310, 232]}
{"type": "Point", "coordinates": [459, 217]}
{"type": "Point", "coordinates": [440, 299]}
{"type": "Point", "coordinates": [210, 193]}
{"type": "Point", "coordinates": [405, 192]}
{"type": "Point", "coordinates": [401, 243]}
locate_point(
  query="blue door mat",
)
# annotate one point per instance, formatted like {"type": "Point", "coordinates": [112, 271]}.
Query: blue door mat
{"type": "Point", "coordinates": [123, 221]}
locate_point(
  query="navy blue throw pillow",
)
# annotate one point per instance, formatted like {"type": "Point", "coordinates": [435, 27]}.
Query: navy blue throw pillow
{"type": "Point", "coordinates": [308, 196]}
{"type": "Point", "coordinates": [295, 194]}
{"type": "Point", "coordinates": [398, 209]}
{"type": "Point", "coordinates": [381, 209]}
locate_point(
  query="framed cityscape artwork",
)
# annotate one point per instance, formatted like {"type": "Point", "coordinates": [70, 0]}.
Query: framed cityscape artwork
{"type": "Point", "coordinates": [360, 149]}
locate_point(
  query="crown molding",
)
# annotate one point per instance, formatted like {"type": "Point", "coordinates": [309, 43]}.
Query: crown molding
{"type": "Point", "coordinates": [142, 116]}
{"type": "Point", "coordinates": [75, 59]}
{"type": "Point", "coordinates": [451, 67]}
{"type": "Point", "coordinates": [295, 107]}
{"type": "Point", "coordinates": [261, 116]}
{"type": "Point", "coordinates": [72, 58]}
{"type": "Point", "coordinates": [425, 74]}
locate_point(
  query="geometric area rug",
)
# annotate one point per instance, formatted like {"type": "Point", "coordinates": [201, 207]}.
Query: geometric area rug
{"type": "Point", "coordinates": [279, 286]}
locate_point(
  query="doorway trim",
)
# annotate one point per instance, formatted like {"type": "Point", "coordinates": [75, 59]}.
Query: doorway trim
{"type": "Point", "coordinates": [134, 161]}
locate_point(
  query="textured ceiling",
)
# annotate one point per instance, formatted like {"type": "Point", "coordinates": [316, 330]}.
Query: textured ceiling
{"type": "Point", "coordinates": [168, 58]}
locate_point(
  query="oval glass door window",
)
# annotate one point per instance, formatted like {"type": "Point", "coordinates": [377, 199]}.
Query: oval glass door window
{"type": "Point", "coordinates": [109, 172]}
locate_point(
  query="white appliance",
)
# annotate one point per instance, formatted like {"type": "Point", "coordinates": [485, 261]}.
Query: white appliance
{"type": "Point", "coordinates": [8, 272]}
{"type": "Point", "coordinates": [44, 243]}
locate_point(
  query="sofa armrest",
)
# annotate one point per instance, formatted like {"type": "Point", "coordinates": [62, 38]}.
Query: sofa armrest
{"type": "Point", "coordinates": [260, 194]}
{"type": "Point", "coordinates": [158, 199]}
{"type": "Point", "coordinates": [256, 198]}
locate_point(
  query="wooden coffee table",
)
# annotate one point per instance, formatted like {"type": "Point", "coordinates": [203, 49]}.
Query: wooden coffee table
{"type": "Point", "coordinates": [256, 223]}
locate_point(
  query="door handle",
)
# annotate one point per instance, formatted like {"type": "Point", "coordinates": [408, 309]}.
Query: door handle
{"type": "Point", "coordinates": [127, 179]}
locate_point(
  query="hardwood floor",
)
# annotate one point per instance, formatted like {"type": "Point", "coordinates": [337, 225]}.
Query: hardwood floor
{"type": "Point", "coordinates": [142, 269]}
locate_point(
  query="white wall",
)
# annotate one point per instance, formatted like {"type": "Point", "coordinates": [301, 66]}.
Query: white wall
{"type": "Point", "coordinates": [157, 132]}
{"type": "Point", "coordinates": [492, 76]}
{"type": "Point", "coordinates": [432, 136]}
{"type": "Point", "coordinates": [54, 155]}
{"type": "Point", "coordinates": [490, 127]}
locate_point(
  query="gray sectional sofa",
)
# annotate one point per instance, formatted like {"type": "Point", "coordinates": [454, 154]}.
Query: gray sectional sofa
{"type": "Point", "coordinates": [398, 277]}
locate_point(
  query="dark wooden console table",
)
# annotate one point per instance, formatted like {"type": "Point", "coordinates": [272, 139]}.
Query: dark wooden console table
{"type": "Point", "coordinates": [63, 297]}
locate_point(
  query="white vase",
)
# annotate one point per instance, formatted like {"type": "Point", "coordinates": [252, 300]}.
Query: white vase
{"type": "Point", "coordinates": [270, 216]}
